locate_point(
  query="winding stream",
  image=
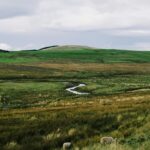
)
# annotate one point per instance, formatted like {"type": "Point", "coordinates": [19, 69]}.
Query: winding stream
{"type": "Point", "coordinates": [72, 90]}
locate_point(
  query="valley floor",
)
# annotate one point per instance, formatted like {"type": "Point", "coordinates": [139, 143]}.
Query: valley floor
{"type": "Point", "coordinates": [38, 113]}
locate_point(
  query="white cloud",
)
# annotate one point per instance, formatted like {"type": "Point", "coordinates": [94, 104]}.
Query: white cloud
{"type": "Point", "coordinates": [9, 9]}
{"type": "Point", "coordinates": [16, 24]}
{"type": "Point", "coordinates": [93, 14]}
{"type": "Point", "coordinates": [81, 15]}
{"type": "Point", "coordinates": [111, 19]}
{"type": "Point", "coordinates": [5, 46]}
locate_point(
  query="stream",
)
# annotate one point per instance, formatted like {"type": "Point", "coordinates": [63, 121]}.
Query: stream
{"type": "Point", "coordinates": [72, 90]}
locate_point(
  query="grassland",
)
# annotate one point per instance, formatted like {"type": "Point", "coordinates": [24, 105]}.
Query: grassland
{"type": "Point", "coordinates": [37, 113]}
{"type": "Point", "coordinates": [83, 55]}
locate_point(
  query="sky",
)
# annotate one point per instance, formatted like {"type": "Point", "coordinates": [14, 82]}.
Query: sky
{"type": "Point", "coordinates": [29, 24]}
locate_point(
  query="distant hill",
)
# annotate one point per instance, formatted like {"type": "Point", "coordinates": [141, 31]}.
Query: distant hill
{"type": "Point", "coordinates": [66, 47]}
{"type": "Point", "coordinates": [75, 53]}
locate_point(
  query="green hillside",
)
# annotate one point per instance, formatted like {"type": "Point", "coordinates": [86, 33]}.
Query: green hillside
{"type": "Point", "coordinates": [76, 54]}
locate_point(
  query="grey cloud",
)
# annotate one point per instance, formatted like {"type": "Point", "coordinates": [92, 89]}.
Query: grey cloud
{"type": "Point", "coordinates": [100, 23]}
{"type": "Point", "coordinates": [13, 8]}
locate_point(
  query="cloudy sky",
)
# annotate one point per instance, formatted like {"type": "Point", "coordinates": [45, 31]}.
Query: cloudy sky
{"type": "Point", "coordinates": [27, 24]}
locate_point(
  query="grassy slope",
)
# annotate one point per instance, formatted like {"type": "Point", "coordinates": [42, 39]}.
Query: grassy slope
{"type": "Point", "coordinates": [74, 55]}
{"type": "Point", "coordinates": [119, 83]}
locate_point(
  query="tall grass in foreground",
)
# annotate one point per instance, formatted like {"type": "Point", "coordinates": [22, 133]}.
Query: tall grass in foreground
{"type": "Point", "coordinates": [107, 147]}
{"type": "Point", "coordinates": [144, 146]}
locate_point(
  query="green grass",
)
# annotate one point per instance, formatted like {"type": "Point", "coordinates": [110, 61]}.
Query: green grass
{"type": "Point", "coordinates": [23, 94]}
{"type": "Point", "coordinates": [20, 92]}
{"type": "Point", "coordinates": [83, 55]}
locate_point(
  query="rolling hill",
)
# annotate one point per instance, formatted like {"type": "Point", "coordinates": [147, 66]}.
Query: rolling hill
{"type": "Point", "coordinates": [76, 54]}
